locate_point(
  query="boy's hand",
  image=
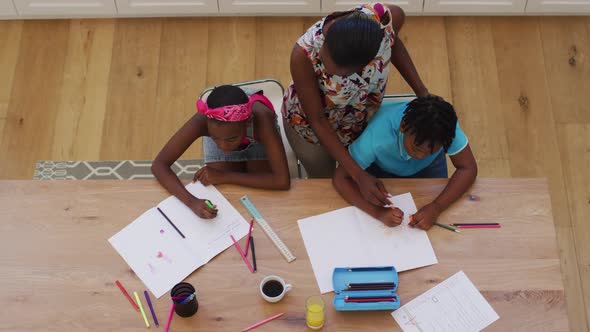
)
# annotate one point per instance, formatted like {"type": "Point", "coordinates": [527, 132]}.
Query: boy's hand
{"type": "Point", "coordinates": [426, 216]}
{"type": "Point", "coordinates": [201, 209]}
{"type": "Point", "coordinates": [390, 217]}
{"type": "Point", "coordinates": [208, 175]}
{"type": "Point", "coordinates": [373, 189]}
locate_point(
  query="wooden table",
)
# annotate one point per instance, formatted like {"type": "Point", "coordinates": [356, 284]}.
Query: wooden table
{"type": "Point", "coordinates": [58, 270]}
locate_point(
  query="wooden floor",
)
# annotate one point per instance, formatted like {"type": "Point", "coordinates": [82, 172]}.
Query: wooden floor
{"type": "Point", "coordinates": [117, 89]}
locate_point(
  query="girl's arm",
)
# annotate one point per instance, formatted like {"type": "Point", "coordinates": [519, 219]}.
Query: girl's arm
{"type": "Point", "coordinates": [459, 183]}
{"type": "Point", "coordinates": [278, 177]}
{"type": "Point", "coordinates": [194, 128]}
{"type": "Point", "coordinates": [401, 58]}
{"type": "Point", "coordinates": [308, 91]}
{"type": "Point", "coordinates": [349, 190]}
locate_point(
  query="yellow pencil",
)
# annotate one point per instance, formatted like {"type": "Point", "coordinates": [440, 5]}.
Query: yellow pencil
{"type": "Point", "coordinates": [147, 324]}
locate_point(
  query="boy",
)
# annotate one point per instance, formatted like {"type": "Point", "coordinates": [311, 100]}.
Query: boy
{"type": "Point", "coordinates": [410, 140]}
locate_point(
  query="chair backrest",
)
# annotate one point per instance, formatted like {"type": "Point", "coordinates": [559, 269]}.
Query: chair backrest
{"type": "Point", "coordinates": [274, 91]}
{"type": "Point", "coordinates": [401, 97]}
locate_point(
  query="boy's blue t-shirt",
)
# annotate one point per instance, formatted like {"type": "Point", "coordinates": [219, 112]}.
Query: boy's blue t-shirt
{"type": "Point", "coordinates": [382, 143]}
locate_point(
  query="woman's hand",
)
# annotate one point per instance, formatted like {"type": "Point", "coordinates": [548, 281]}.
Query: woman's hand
{"type": "Point", "coordinates": [201, 209]}
{"type": "Point", "coordinates": [372, 189]}
{"type": "Point", "coordinates": [426, 216]}
{"type": "Point", "coordinates": [208, 175]}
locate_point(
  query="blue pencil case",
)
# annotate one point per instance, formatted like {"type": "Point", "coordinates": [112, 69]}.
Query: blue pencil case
{"type": "Point", "coordinates": [365, 288]}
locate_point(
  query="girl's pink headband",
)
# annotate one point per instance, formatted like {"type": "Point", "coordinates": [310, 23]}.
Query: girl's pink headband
{"type": "Point", "coordinates": [233, 113]}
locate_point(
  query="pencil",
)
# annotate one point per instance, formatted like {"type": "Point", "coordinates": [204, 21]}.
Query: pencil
{"type": "Point", "coordinates": [242, 254]}
{"type": "Point", "coordinates": [209, 204]}
{"type": "Point", "coordinates": [171, 223]}
{"type": "Point", "coordinates": [369, 299]}
{"type": "Point", "coordinates": [476, 224]}
{"type": "Point", "coordinates": [447, 227]}
{"type": "Point", "coordinates": [263, 322]}
{"type": "Point", "coordinates": [169, 318]}
{"type": "Point", "coordinates": [127, 295]}
{"type": "Point", "coordinates": [253, 252]}
{"type": "Point", "coordinates": [149, 302]}
{"type": "Point", "coordinates": [479, 226]}
{"type": "Point", "coordinates": [147, 324]}
{"type": "Point", "coordinates": [249, 236]}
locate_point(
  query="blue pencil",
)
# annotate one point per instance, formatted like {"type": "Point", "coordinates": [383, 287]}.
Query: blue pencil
{"type": "Point", "coordinates": [147, 298]}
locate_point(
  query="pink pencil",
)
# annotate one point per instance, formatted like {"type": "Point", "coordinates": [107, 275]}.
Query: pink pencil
{"type": "Point", "coordinates": [263, 322]}
{"type": "Point", "coordinates": [248, 241]}
{"type": "Point", "coordinates": [479, 226]}
{"type": "Point", "coordinates": [242, 254]}
{"type": "Point", "coordinates": [169, 318]}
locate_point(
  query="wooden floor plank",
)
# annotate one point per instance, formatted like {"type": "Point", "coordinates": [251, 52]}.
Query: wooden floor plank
{"type": "Point", "coordinates": [532, 140]}
{"type": "Point", "coordinates": [182, 77]}
{"type": "Point", "coordinates": [10, 35]}
{"type": "Point", "coordinates": [79, 123]}
{"type": "Point", "coordinates": [278, 35]}
{"type": "Point", "coordinates": [131, 103]}
{"type": "Point", "coordinates": [566, 48]}
{"type": "Point", "coordinates": [425, 40]}
{"type": "Point", "coordinates": [28, 130]}
{"type": "Point", "coordinates": [574, 142]}
{"type": "Point", "coordinates": [476, 92]}
{"type": "Point", "coordinates": [232, 50]}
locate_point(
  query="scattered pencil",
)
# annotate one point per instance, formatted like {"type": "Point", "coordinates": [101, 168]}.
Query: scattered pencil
{"type": "Point", "coordinates": [479, 226]}
{"type": "Point", "coordinates": [242, 254]}
{"type": "Point", "coordinates": [171, 223]}
{"type": "Point", "coordinates": [253, 253]}
{"type": "Point", "coordinates": [476, 224]}
{"type": "Point", "coordinates": [167, 327]}
{"type": "Point", "coordinates": [251, 327]}
{"type": "Point", "coordinates": [249, 236]}
{"type": "Point", "coordinates": [447, 227]}
{"type": "Point", "coordinates": [149, 302]}
{"type": "Point", "coordinates": [124, 291]}
{"type": "Point", "coordinates": [147, 324]}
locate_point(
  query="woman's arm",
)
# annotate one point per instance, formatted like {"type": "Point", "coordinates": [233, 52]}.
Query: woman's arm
{"type": "Point", "coordinates": [277, 178]}
{"type": "Point", "coordinates": [308, 91]}
{"type": "Point", "coordinates": [176, 146]}
{"type": "Point", "coordinates": [459, 183]}
{"type": "Point", "coordinates": [401, 58]}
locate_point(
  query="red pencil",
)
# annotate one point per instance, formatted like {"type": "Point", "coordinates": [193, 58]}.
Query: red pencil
{"type": "Point", "coordinates": [242, 254]}
{"type": "Point", "coordinates": [263, 322]}
{"type": "Point", "coordinates": [127, 295]}
{"type": "Point", "coordinates": [248, 241]}
{"type": "Point", "coordinates": [479, 226]}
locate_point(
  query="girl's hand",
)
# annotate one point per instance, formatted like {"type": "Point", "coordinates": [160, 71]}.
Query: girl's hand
{"type": "Point", "coordinates": [201, 209]}
{"type": "Point", "coordinates": [209, 175]}
{"type": "Point", "coordinates": [390, 217]}
{"type": "Point", "coordinates": [373, 189]}
{"type": "Point", "coordinates": [426, 216]}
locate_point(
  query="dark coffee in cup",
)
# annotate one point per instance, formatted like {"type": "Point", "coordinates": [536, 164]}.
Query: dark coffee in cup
{"type": "Point", "coordinates": [272, 288]}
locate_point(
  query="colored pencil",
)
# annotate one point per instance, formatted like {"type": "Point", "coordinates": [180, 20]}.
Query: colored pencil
{"type": "Point", "coordinates": [147, 324]}
{"type": "Point", "coordinates": [242, 254]}
{"type": "Point", "coordinates": [369, 299]}
{"type": "Point", "coordinates": [209, 204]}
{"type": "Point", "coordinates": [365, 269]}
{"type": "Point", "coordinates": [171, 223]}
{"type": "Point", "coordinates": [127, 295]}
{"type": "Point", "coordinates": [249, 236]}
{"type": "Point", "coordinates": [480, 226]}
{"type": "Point", "coordinates": [149, 302]}
{"type": "Point", "coordinates": [447, 227]}
{"type": "Point", "coordinates": [476, 224]}
{"type": "Point", "coordinates": [167, 327]}
{"type": "Point", "coordinates": [262, 322]}
{"type": "Point", "coordinates": [253, 252]}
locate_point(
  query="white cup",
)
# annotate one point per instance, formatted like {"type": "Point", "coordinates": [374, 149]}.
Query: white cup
{"type": "Point", "coordinates": [286, 288]}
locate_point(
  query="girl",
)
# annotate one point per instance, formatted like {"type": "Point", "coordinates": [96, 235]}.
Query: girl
{"type": "Point", "coordinates": [339, 69]}
{"type": "Point", "coordinates": [241, 145]}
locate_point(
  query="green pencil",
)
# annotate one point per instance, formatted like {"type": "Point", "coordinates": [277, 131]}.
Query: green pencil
{"type": "Point", "coordinates": [209, 204]}
{"type": "Point", "coordinates": [447, 227]}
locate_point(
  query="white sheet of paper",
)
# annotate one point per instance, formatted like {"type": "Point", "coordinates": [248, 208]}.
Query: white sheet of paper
{"type": "Point", "coordinates": [160, 256]}
{"type": "Point", "coordinates": [349, 237]}
{"type": "Point", "coordinates": [453, 305]}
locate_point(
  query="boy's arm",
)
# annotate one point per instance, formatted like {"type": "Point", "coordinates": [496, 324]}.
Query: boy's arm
{"type": "Point", "coordinates": [175, 147]}
{"type": "Point", "coordinates": [462, 179]}
{"type": "Point", "coordinates": [277, 178]}
{"type": "Point", "coordinates": [349, 190]}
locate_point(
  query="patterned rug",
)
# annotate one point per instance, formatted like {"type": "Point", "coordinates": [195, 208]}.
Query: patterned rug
{"type": "Point", "coordinates": [108, 170]}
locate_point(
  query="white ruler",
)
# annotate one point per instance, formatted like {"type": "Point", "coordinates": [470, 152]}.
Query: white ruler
{"type": "Point", "coordinates": [267, 229]}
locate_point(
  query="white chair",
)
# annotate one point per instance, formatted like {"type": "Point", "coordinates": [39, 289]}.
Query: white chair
{"type": "Point", "coordinates": [274, 91]}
